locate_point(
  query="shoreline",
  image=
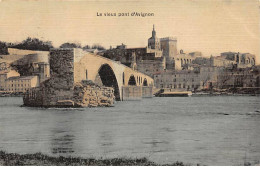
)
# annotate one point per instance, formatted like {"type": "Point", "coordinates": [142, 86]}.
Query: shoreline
{"type": "Point", "coordinates": [193, 94]}
{"type": "Point", "coordinates": [39, 159]}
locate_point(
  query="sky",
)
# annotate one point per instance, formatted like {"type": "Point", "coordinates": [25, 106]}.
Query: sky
{"type": "Point", "coordinates": [209, 26]}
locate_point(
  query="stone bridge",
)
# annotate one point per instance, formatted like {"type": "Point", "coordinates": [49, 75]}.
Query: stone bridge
{"type": "Point", "coordinates": [70, 66]}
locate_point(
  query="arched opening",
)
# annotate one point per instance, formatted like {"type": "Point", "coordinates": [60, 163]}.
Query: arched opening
{"type": "Point", "coordinates": [145, 83]}
{"type": "Point", "coordinates": [237, 58]}
{"type": "Point", "coordinates": [132, 81]}
{"type": "Point", "coordinates": [253, 61]}
{"type": "Point", "coordinates": [123, 78]}
{"type": "Point", "coordinates": [108, 79]}
{"type": "Point", "coordinates": [258, 81]}
{"type": "Point", "coordinates": [86, 74]}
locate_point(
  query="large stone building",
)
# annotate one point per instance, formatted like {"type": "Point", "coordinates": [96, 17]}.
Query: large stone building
{"type": "Point", "coordinates": [238, 78]}
{"type": "Point", "coordinates": [23, 69]}
{"type": "Point", "coordinates": [157, 56]}
{"type": "Point", "coordinates": [27, 62]}
{"type": "Point", "coordinates": [178, 70]}
{"type": "Point", "coordinates": [231, 59]}
{"type": "Point", "coordinates": [6, 74]}
{"type": "Point", "coordinates": [21, 84]}
{"type": "Point", "coordinates": [11, 81]}
{"type": "Point", "coordinates": [178, 80]}
{"type": "Point", "coordinates": [183, 60]}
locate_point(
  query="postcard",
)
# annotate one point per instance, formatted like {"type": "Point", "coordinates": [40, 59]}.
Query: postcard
{"type": "Point", "coordinates": [129, 82]}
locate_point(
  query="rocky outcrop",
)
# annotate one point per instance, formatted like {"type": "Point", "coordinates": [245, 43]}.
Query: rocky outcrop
{"type": "Point", "coordinates": [88, 94]}
{"type": "Point", "coordinates": [83, 94]}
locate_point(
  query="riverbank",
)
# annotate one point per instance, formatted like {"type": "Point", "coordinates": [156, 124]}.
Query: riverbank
{"type": "Point", "coordinates": [39, 159]}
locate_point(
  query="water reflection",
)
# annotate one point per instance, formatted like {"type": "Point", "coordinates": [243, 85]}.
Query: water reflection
{"type": "Point", "coordinates": [62, 143]}
{"type": "Point", "coordinates": [206, 131]}
{"type": "Point", "coordinates": [62, 133]}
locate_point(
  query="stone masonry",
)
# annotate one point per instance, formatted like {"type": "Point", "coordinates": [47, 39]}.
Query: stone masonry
{"type": "Point", "coordinates": [60, 90]}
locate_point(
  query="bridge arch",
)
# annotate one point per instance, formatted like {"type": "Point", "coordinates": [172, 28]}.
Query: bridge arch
{"type": "Point", "coordinates": [145, 82]}
{"type": "Point", "coordinates": [253, 61]}
{"type": "Point", "coordinates": [132, 81]}
{"type": "Point", "coordinates": [86, 74]}
{"type": "Point", "coordinates": [109, 79]}
{"type": "Point", "coordinates": [123, 78]}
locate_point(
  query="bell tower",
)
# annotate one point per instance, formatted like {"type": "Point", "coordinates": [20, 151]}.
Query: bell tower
{"type": "Point", "coordinates": [154, 42]}
{"type": "Point", "coordinates": [153, 32]}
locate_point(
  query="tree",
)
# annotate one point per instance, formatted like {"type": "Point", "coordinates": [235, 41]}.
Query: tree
{"type": "Point", "coordinates": [98, 46]}
{"type": "Point", "coordinates": [86, 47]}
{"type": "Point", "coordinates": [34, 44]}
{"type": "Point", "coordinates": [70, 45]}
{"type": "Point", "coordinates": [3, 48]}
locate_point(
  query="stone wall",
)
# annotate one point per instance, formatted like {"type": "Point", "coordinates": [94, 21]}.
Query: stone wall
{"type": "Point", "coordinates": [132, 92]}
{"type": "Point", "coordinates": [87, 94]}
{"type": "Point", "coordinates": [125, 55]}
{"type": "Point", "coordinates": [149, 67]}
{"type": "Point", "coordinates": [183, 80]}
{"type": "Point", "coordinates": [14, 51]}
{"type": "Point", "coordinates": [147, 92]}
{"type": "Point", "coordinates": [62, 68]}
{"type": "Point", "coordinates": [169, 47]}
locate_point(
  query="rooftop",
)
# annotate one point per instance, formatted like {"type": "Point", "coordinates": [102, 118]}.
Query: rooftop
{"type": "Point", "coordinates": [6, 71]}
{"type": "Point", "coordinates": [168, 38]}
{"type": "Point", "coordinates": [21, 78]}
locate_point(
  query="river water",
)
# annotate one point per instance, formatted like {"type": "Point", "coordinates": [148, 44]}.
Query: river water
{"type": "Point", "coordinates": [220, 130]}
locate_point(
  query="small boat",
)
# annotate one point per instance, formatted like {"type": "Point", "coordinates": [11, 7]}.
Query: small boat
{"type": "Point", "coordinates": [175, 94]}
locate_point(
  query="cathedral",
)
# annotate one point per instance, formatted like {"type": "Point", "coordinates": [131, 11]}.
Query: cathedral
{"type": "Point", "coordinates": [159, 55]}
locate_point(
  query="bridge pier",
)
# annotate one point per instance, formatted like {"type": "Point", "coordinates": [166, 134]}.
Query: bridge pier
{"type": "Point", "coordinates": [136, 92]}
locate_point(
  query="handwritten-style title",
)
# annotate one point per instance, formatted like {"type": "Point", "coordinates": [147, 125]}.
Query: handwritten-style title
{"type": "Point", "coordinates": [124, 14]}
